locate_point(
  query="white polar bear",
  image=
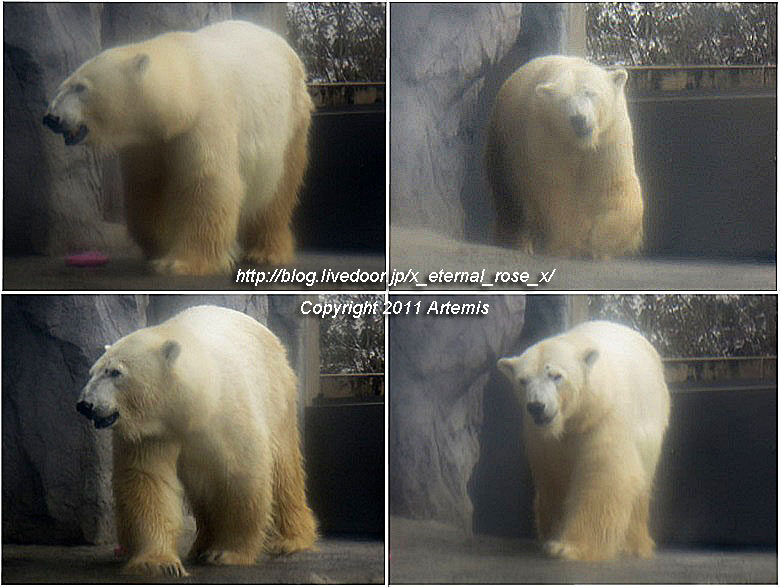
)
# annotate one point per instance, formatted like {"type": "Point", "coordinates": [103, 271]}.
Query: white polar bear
{"type": "Point", "coordinates": [211, 129]}
{"type": "Point", "coordinates": [596, 409]}
{"type": "Point", "coordinates": [560, 161]}
{"type": "Point", "coordinates": [202, 405]}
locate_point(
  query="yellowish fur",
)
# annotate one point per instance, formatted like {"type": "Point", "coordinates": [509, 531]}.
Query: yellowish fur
{"type": "Point", "coordinates": [555, 193]}
{"type": "Point", "coordinates": [211, 130]}
{"type": "Point", "coordinates": [593, 464]}
{"type": "Point", "coordinates": [215, 422]}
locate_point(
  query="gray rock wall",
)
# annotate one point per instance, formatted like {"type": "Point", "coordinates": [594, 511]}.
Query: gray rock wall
{"type": "Point", "coordinates": [56, 468]}
{"type": "Point", "coordinates": [448, 62]}
{"type": "Point", "coordinates": [440, 367]}
{"type": "Point", "coordinates": [57, 199]}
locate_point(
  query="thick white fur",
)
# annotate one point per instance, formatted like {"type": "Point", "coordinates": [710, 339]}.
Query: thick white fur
{"type": "Point", "coordinates": [211, 128]}
{"type": "Point", "coordinates": [557, 192]}
{"type": "Point", "coordinates": [593, 464]}
{"type": "Point", "coordinates": [207, 409]}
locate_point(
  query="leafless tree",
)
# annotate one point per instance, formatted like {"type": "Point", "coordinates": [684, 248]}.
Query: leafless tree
{"type": "Point", "coordinates": [682, 33]}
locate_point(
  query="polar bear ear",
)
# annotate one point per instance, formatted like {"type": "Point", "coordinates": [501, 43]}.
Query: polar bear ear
{"type": "Point", "coordinates": [545, 90]}
{"type": "Point", "coordinates": [619, 77]}
{"type": "Point", "coordinates": [590, 357]}
{"type": "Point", "coordinates": [171, 350]}
{"type": "Point", "coordinates": [507, 367]}
{"type": "Point", "coordinates": [106, 347]}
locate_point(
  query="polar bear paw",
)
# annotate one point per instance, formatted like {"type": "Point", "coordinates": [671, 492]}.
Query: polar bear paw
{"type": "Point", "coordinates": [175, 266]}
{"type": "Point", "coordinates": [155, 565]}
{"type": "Point", "coordinates": [564, 550]}
{"type": "Point", "coordinates": [225, 557]}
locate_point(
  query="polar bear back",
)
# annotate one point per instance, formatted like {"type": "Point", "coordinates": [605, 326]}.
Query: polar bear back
{"type": "Point", "coordinates": [229, 364]}
{"type": "Point", "coordinates": [266, 114]}
{"type": "Point", "coordinates": [236, 78]}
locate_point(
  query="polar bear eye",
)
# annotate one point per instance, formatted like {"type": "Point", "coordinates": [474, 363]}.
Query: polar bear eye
{"type": "Point", "coordinates": [556, 377]}
{"type": "Point", "coordinates": [523, 381]}
{"type": "Point", "coordinates": [113, 373]}
{"type": "Point", "coordinates": [79, 88]}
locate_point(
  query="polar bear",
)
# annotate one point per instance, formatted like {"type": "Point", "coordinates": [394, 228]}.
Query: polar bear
{"type": "Point", "coordinates": [596, 409]}
{"type": "Point", "coordinates": [560, 161]}
{"type": "Point", "coordinates": [202, 406]}
{"type": "Point", "coordinates": [211, 130]}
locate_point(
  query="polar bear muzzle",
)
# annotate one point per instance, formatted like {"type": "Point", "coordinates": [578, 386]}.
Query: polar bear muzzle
{"type": "Point", "coordinates": [538, 411]}
{"type": "Point", "coordinates": [72, 137]}
{"type": "Point", "coordinates": [87, 410]}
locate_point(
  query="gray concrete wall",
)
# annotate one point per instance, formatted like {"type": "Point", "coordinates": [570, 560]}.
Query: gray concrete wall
{"type": "Point", "coordinates": [707, 161]}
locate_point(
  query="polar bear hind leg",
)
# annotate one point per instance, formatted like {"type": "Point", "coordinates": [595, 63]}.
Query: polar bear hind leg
{"type": "Point", "coordinates": [232, 527]}
{"type": "Point", "coordinates": [294, 527]}
{"type": "Point", "coordinates": [266, 236]}
{"type": "Point", "coordinates": [638, 540]}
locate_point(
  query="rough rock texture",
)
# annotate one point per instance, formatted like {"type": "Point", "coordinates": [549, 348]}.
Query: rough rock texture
{"type": "Point", "coordinates": [449, 61]}
{"type": "Point", "coordinates": [59, 199]}
{"type": "Point", "coordinates": [439, 369]}
{"type": "Point", "coordinates": [50, 194]}
{"type": "Point", "coordinates": [56, 468]}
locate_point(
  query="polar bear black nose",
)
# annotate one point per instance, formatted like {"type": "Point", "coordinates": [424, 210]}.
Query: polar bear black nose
{"type": "Point", "coordinates": [536, 409]}
{"type": "Point", "coordinates": [53, 122]}
{"type": "Point", "coordinates": [580, 125]}
{"type": "Point", "coordinates": [85, 409]}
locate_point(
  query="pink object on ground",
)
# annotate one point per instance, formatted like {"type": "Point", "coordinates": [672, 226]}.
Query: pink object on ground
{"type": "Point", "coordinates": [87, 259]}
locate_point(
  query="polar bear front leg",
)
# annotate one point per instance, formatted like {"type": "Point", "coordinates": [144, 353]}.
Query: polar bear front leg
{"type": "Point", "coordinates": [148, 503]}
{"type": "Point", "coordinates": [204, 234]}
{"type": "Point", "coordinates": [599, 505]}
{"type": "Point", "coordinates": [202, 205]}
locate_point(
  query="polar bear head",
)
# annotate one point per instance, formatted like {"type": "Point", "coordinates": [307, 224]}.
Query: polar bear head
{"type": "Point", "coordinates": [550, 381]}
{"type": "Point", "coordinates": [583, 100]}
{"type": "Point", "coordinates": [131, 384]}
{"type": "Point", "coordinates": [99, 104]}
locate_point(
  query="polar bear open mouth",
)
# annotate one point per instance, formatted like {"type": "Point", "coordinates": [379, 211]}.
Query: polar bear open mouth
{"type": "Point", "coordinates": [72, 137]}
{"type": "Point", "coordinates": [543, 420]}
{"type": "Point", "coordinates": [107, 421]}
{"type": "Point", "coordinates": [87, 410]}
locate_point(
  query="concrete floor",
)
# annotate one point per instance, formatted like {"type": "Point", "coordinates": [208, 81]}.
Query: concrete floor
{"type": "Point", "coordinates": [428, 552]}
{"type": "Point", "coordinates": [424, 251]}
{"type": "Point", "coordinates": [134, 274]}
{"type": "Point", "coordinates": [338, 561]}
